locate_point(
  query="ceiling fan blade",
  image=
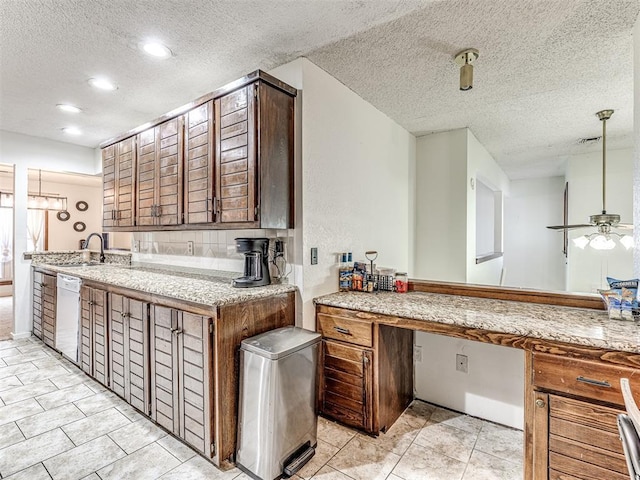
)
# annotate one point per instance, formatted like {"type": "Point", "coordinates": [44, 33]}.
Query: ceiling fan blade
{"type": "Point", "coordinates": [569, 227]}
{"type": "Point", "coordinates": [626, 226]}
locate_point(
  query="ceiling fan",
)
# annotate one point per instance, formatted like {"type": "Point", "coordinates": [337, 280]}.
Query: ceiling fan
{"type": "Point", "coordinates": [604, 221]}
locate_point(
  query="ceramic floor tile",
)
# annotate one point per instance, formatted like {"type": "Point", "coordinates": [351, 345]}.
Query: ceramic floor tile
{"type": "Point", "coordinates": [397, 439]}
{"type": "Point", "coordinates": [30, 347]}
{"type": "Point", "coordinates": [328, 473]}
{"type": "Point", "coordinates": [93, 476]}
{"type": "Point", "coordinates": [176, 448]}
{"type": "Point", "coordinates": [35, 472]}
{"type": "Point", "coordinates": [130, 412]}
{"type": "Point", "coordinates": [456, 419]}
{"type": "Point", "coordinates": [393, 477]}
{"type": "Point", "coordinates": [98, 403]}
{"type": "Point", "coordinates": [199, 469]}
{"type": "Point", "coordinates": [49, 419]}
{"type": "Point", "coordinates": [18, 394]}
{"type": "Point", "coordinates": [447, 440]}
{"type": "Point", "coordinates": [14, 369]}
{"type": "Point", "coordinates": [44, 373]}
{"type": "Point", "coordinates": [134, 436]}
{"type": "Point", "coordinates": [101, 423]}
{"type": "Point", "coordinates": [16, 411]}
{"type": "Point", "coordinates": [418, 413]}
{"type": "Point", "coordinates": [2, 364]}
{"type": "Point", "coordinates": [83, 460]}
{"type": "Point", "coordinates": [26, 357]}
{"type": "Point", "coordinates": [151, 461]}
{"type": "Point", "coordinates": [68, 380]}
{"type": "Point", "coordinates": [503, 442]}
{"type": "Point", "coordinates": [324, 452]}
{"type": "Point", "coordinates": [487, 467]}
{"type": "Point", "coordinates": [364, 461]}
{"type": "Point", "coordinates": [97, 387]}
{"type": "Point", "coordinates": [334, 433]}
{"type": "Point", "coordinates": [420, 463]}
{"type": "Point", "coordinates": [9, 352]}
{"type": "Point", "coordinates": [10, 434]}
{"type": "Point", "coordinates": [7, 383]}
{"type": "Point", "coordinates": [34, 450]}
{"type": "Point", "coordinates": [66, 395]}
{"type": "Point", "coordinates": [48, 361]}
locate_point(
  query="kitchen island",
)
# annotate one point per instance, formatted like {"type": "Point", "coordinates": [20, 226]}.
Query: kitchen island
{"type": "Point", "coordinates": [167, 340]}
{"type": "Point", "coordinates": [574, 359]}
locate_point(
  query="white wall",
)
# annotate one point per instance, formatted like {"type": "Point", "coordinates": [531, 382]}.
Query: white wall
{"type": "Point", "coordinates": [24, 152]}
{"type": "Point", "coordinates": [636, 150]}
{"type": "Point", "coordinates": [533, 255]}
{"type": "Point", "coordinates": [355, 180]}
{"type": "Point", "coordinates": [587, 269]}
{"type": "Point", "coordinates": [493, 388]}
{"type": "Point", "coordinates": [441, 207]}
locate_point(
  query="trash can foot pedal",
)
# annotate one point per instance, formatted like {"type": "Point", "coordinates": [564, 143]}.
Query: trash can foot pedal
{"type": "Point", "coordinates": [299, 461]}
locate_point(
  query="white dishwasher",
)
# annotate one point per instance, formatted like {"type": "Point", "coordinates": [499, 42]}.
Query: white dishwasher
{"type": "Point", "coordinates": [68, 316]}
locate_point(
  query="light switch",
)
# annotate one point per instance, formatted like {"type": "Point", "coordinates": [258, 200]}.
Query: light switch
{"type": "Point", "coordinates": [314, 255]}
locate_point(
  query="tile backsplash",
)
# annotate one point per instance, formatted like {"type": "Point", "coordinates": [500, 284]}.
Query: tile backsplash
{"type": "Point", "coordinates": [212, 249]}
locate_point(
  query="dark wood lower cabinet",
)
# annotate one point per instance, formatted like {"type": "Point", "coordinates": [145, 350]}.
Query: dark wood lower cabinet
{"type": "Point", "coordinates": [129, 350]}
{"type": "Point", "coordinates": [181, 359]}
{"type": "Point", "coordinates": [44, 307]}
{"type": "Point", "coordinates": [93, 334]}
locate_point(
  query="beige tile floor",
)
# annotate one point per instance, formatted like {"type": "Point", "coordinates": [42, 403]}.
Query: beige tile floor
{"type": "Point", "coordinates": [55, 422]}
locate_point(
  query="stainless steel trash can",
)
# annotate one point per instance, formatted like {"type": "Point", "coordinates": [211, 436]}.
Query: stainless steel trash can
{"type": "Point", "coordinates": [277, 423]}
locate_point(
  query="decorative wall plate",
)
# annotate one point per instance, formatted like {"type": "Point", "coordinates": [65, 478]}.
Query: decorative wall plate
{"type": "Point", "coordinates": [82, 206]}
{"type": "Point", "coordinates": [79, 226]}
{"type": "Point", "coordinates": [63, 215]}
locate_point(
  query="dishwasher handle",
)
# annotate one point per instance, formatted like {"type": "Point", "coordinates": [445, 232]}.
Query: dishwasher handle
{"type": "Point", "coordinates": [67, 282]}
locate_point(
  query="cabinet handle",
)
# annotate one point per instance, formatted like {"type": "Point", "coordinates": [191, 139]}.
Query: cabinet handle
{"type": "Point", "coordinates": [344, 331]}
{"type": "Point", "coordinates": [177, 331]}
{"type": "Point", "coordinates": [158, 210]}
{"type": "Point", "coordinates": [597, 383]}
{"type": "Point", "coordinates": [540, 403]}
{"type": "Point", "coordinates": [365, 360]}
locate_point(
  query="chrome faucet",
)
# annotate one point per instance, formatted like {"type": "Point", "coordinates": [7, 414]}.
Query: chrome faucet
{"type": "Point", "coordinates": [86, 244]}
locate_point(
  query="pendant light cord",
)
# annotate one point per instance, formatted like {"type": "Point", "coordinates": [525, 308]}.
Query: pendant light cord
{"type": "Point", "coordinates": [604, 165]}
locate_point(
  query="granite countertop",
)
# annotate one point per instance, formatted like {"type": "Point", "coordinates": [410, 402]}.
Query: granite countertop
{"type": "Point", "coordinates": [205, 287]}
{"type": "Point", "coordinates": [548, 322]}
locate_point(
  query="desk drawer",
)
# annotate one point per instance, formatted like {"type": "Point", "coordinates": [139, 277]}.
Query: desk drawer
{"type": "Point", "coordinates": [583, 378]}
{"type": "Point", "coordinates": [349, 330]}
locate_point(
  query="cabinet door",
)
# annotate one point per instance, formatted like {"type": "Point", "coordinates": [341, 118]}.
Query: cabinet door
{"type": "Point", "coordinates": [86, 330]}
{"type": "Point", "coordinates": [99, 338]}
{"type": "Point", "coordinates": [147, 178]}
{"type": "Point", "coordinates": [199, 181]}
{"type": "Point", "coordinates": [181, 387]}
{"type": "Point", "coordinates": [38, 297]}
{"type": "Point", "coordinates": [49, 310]}
{"type": "Point", "coordinates": [236, 162]}
{"type": "Point", "coordinates": [128, 357]}
{"type": "Point", "coordinates": [109, 186]}
{"type": "Point", "coordinates": [346, 384]}
{"type": "Point", "coordinates": [125, 182]}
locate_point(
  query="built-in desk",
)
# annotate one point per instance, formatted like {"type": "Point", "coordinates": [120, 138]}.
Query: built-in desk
{"type": "Point", "coordinates": [574, 359]}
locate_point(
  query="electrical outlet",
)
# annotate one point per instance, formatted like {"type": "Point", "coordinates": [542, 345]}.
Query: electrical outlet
{"type": "Point", "coordinates": [417, 353]}
{"type": "Point", "coordinates": [314, 255]}
{"type": "Point", "coordinates": [462, 363]}
{"type": "Point", "coordinates": [190, 247]}
{"type": "Point", "coordinates": [136, 245]}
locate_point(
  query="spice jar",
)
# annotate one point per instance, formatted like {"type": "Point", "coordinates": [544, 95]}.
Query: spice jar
{"type": "Point", "coordinates": [402, 282]}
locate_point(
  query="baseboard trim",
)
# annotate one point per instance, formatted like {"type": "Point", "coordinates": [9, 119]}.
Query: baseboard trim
{"type": "Point", "coordinates": [18, 336]}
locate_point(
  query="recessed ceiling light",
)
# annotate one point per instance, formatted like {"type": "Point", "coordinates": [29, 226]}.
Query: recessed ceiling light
{"type": "Point", "coordinates": [72, 131]}
{"type": "Point", "coordinates": [102, 84]}
{"type": "Point", "coordinates": [156, 49]}
{"type": "Point", "coordinates": [65, 107]}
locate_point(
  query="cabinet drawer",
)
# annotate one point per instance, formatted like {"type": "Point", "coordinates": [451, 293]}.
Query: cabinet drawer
{"type": "Point", "coordinates": [583, 378]}
{"type": "Point", "coordinates": [346, 329]}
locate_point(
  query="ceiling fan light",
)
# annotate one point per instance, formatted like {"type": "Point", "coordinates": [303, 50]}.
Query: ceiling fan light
{"type": "Point", "coordinates": [581, 242]}
{"type": "Point", "coordinates": [627, 241]}
{"type": "Point", "coordinates": [602, 242]}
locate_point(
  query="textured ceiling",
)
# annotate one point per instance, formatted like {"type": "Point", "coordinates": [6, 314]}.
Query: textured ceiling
{"type": "Point", "coordinates": [545, 66]}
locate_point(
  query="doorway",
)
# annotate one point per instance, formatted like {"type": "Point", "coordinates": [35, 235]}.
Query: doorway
{"type": "Point", "coordinates": [6, 251]}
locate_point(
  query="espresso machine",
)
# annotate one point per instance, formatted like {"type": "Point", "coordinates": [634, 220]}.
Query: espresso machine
{"type": "Point", "coordinates": [256, 262]}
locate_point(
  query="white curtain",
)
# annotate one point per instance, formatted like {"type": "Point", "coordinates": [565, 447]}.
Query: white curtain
{"type": "Point", "coordinates": [35, 230]}
{"type": "Point", "coordinates": [6, 242]}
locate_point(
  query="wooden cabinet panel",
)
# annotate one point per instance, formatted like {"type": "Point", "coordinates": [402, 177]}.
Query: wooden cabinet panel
{"type": "Point", "coordinates": [93, 333]}
{"type": "Point", "coordinates": [346, 329]}
{"type": "Point", "coordinates": [128, 350]}
{"type": "Point", "coordinates": [49, 290]}
{"type": "Point", "coordinates": [199, 178]}
{"type": "Point", "coordinates": [181, 350]}
{"type": "Point", "coordinates": [38, 298]}
{"type": "Point", "coordinates": [159, 174]}
{"type": "Point", "coordinates": [583, 378]}
{"type": "Point", "coordinates": [118, 183]}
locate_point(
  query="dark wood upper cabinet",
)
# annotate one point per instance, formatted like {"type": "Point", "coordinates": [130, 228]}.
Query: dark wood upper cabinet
{"type": "Point", "coordinates": [254, 157]}
{"type": "Point", "coordinates": [118, 183]}
{"type": "Point", "coordinates": [159, 174]}
{"type": "Point", "coordinates": [199, 182]}
{"type": "Point", "coordinates": [227, 162]}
